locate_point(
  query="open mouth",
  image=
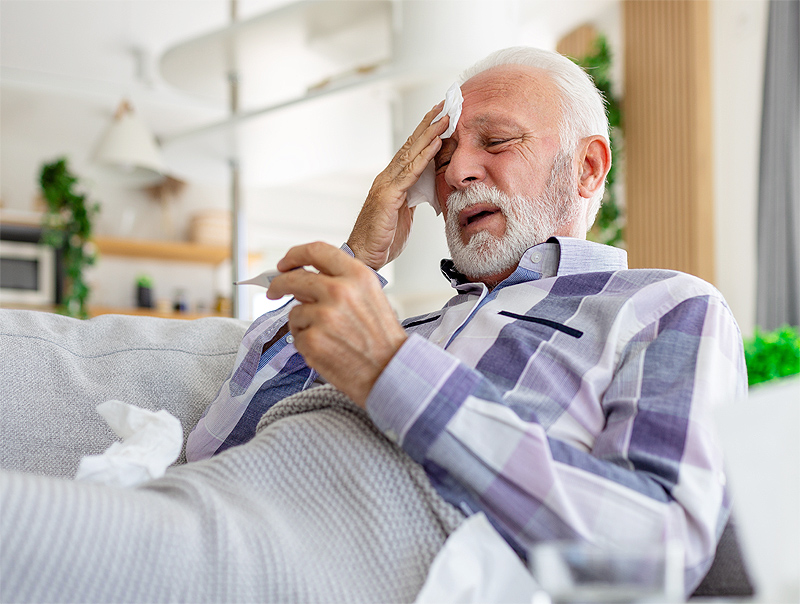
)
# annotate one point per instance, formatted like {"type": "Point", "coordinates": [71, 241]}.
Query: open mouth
{"type": "Point", "coordinates": [472, 219]}
{"type": "Point", "coordinates": [477, 213]}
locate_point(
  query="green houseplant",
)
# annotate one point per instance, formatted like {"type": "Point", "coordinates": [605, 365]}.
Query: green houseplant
{"type": "Point", "coordinates": [773, 354]}
{"type": "Point", "coordinates": [609, 226]}
{"type": "Point", "coordinates": [67, 226]}
{"type": "Point", "coordinates": [144, 291]}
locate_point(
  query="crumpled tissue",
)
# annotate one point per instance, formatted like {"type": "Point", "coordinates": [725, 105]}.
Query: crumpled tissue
{"type": "Point", "coordinates": [424, 190]}
{"type": "Point", "coordinates": [151, 441]}
{"type": "Point", "coordinates": [477, 565]}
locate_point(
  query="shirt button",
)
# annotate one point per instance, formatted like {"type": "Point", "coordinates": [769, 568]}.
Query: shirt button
{"type": "Point", "coordinates": [289, 339]}
{"type": "Point", "coordinates": [536, 257]}
{"type": "Point", "coordinates": [391, 435]}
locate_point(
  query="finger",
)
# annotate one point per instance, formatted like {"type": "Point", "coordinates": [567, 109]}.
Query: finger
{"type": "Point", "coordinates": [427, 120]}
{"type": "Point", "coordinates": [403, 173]}
{"type": "Point", "coordinates": [299, 319]}
{"type": "Point", "coordinates": [324, 257]}
{"type": "Point", "coordinates": [414, 169]}
{"type": "Point", "coordinates": [430, 134]}
{"type": "Point", "coordinates": [416, 144]}
{"type": "Point", "coordinates": [305, 286]}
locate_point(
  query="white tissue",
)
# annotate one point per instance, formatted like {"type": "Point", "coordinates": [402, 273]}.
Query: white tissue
{"type": "Point", "coordinates": [477, 565]}
{"type": "Point", "coordinates": [452, 107]}
{"type": "Point", "coordinates": [424, 190]}
{"type": "Point", "coordinates": [151, 441]}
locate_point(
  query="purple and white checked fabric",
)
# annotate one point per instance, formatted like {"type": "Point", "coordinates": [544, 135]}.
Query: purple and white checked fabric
{"type": "Point", "coordinates": [573, 401]}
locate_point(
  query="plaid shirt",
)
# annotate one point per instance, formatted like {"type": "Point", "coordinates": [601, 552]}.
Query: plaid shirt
{"type": "Point", "coordinates": [572, 401]}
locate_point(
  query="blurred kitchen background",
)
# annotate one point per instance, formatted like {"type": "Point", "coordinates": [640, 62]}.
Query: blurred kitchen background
{"type": "Point", "coordinates": [273, 117]}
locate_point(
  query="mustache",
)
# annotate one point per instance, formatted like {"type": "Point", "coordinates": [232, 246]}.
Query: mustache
{"type": "Point", "coordinates": [475, 194]}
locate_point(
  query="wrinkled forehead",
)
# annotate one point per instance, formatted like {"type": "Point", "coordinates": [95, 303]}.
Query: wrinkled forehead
{"type": "Point", "coordinates": [517, 92]}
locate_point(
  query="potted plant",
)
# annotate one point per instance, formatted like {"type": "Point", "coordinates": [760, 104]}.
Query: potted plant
{"type": "Point", "coordinates": [609, 226]}
{"type": "Point", "coordinates": [67, 226]}
{"type": "Point", "coordinates": [144, 291]}
{"type": "Point", "coordinates": [772, 355]}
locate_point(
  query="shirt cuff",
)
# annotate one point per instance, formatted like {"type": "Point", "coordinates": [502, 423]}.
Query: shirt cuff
{"type": "Point", "coordinates": [346, 248]}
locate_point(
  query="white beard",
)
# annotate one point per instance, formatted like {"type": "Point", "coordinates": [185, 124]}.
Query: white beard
{"type": "Point", "coordinates": [528, 222]}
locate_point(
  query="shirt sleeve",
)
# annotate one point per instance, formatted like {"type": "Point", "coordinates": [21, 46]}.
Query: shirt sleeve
{"type": "Point", "coordinates": [267, 369]}
{"type": "Point", "coordinates": [654, 473]}
{"type": "Point", "coordinates": [261, 376]}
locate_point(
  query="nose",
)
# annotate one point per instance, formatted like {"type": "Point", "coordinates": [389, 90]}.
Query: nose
{"type": "Point", "coordinates": [465, 168]}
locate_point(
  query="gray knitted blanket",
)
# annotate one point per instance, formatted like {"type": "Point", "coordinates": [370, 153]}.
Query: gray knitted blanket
{"type": "Point", "coordinates": [319, 506]}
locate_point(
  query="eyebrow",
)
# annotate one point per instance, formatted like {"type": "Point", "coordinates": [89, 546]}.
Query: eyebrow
{"type": "Point", "coordinates": [494, 119]}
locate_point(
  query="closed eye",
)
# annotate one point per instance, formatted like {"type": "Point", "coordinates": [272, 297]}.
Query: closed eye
{"type": "Point", "coordinates": [498, 142]}
{"type": "Point", "coordinates": [444, 155]}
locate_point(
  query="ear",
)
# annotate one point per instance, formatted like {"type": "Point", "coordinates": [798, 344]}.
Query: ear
{"type": "Point", "coordinates": [594, 157]}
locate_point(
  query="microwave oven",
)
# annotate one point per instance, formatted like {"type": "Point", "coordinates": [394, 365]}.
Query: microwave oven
{"type": "Point", "coordinates": [27, 273]}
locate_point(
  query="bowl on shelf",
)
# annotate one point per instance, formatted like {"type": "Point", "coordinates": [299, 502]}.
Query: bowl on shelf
{"type": "Point", "coordinates": [211, 227]}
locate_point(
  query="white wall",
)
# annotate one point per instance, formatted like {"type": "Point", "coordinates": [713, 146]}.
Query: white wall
{"type": "Point", "coordinates": [43, 117]}
{"type": "Point", "coordinates": [39, 126]}
{"type": "Point", "coordinates": [739, 42]}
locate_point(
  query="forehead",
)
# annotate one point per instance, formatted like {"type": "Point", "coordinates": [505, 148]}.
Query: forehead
{"type": "Point", "coordinates": [511, 95]}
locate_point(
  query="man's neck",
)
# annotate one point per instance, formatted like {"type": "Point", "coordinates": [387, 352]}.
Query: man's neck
{"type": "Point", "coordinates": [493, 281]}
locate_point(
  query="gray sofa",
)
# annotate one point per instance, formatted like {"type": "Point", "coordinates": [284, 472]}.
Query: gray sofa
{"type": "Point", "coordinates": [54, 371]}
{"type": "Point", "coordinates": [318, 506]}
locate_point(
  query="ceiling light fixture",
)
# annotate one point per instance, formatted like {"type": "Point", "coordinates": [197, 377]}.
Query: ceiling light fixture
{"type": "Point", "coordinates": [128, 152]}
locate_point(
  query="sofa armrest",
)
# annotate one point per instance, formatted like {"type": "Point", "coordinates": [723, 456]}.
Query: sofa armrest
{"type": "Point", "coordinates": [728, 576]}
{"type": "Point", "coordinates": [56, 370]}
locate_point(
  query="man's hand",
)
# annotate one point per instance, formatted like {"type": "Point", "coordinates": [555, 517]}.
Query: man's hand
{"type": "Point", "coordinates": [384, 224]}
{"type": "Point", "coordinates": [344, 326]}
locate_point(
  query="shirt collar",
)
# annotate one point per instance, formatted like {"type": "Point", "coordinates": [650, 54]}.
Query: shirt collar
{"type": "Point", "coordinates": [557, 257]}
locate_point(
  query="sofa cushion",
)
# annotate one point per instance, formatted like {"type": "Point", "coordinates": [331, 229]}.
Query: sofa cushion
{"type": "Point", "coordinates": [55, 370]}
{"type": "Point", "coordinates": [728, 576]}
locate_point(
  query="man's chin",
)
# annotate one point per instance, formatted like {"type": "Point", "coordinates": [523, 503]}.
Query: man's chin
{"type": "Point", "coordinates": [483, 262]}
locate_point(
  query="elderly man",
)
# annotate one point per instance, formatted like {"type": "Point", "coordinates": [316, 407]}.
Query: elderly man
{"type": "Point", "coordinates": [559, 392]}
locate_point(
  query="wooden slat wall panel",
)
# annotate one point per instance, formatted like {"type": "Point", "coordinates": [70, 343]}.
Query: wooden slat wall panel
{"type": "Point", "coordinates": [579, 42]}
{"type": "Point", "coordinates": [668, 136]}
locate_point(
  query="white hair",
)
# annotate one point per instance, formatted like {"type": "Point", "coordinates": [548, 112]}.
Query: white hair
{"type": "Point", "coordinates": [582, 104]}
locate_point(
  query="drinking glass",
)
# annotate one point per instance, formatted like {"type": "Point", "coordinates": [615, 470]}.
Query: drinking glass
{"type": "Point", "coordinates": [578, 572]}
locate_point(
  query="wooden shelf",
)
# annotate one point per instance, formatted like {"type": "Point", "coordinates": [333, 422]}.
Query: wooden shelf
{"type": "Point", "coordinates": [163, 250]}
{"type": "Point", "coordinates": [95, 311]}
{"type": "Point", "coordinates": [21, 217]}
{"type": "Point", "coordinates": [181, 251]}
